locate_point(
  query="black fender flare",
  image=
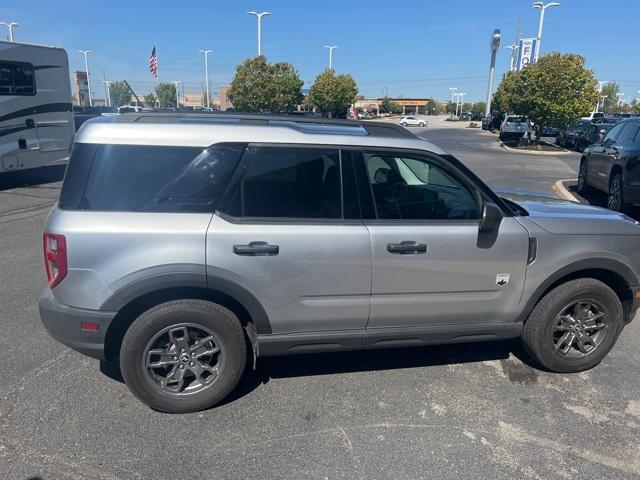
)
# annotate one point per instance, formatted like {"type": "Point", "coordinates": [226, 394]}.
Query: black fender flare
{"type": "Point", "coordinates": [607, 264]}
{"type": "Point", "coordinates": [157, 279]}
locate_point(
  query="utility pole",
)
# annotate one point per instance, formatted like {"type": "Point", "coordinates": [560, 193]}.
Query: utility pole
{"type": "Point", "coordinates": [107, 92]}
{"type": "Point", "coordinates": [600, 97]}
{"type": "Point", "coordinates": [620, 95]}
{"type": "Point", "coordinates": [495, 44]}
{"type": "Point", "coordinates": [453, 92]}
{"type": "Point", "coordinates": [176, 82]}
{"type": "Point", "coordinates": [542, 7]}
{"type": "Point", "coordinates": [330, 47]}
{"type": "Point", "coordinates": [10, 26]}
{"type": "Point", "coordinates": [206, 74]}
{"type": "Point", "coordinates": [259, 16]}
{"type": "Point", "coordinates": [86, 67]}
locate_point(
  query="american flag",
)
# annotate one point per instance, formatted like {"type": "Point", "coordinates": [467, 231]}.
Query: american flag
{"type": "Point", "coordinates": [153, 63]}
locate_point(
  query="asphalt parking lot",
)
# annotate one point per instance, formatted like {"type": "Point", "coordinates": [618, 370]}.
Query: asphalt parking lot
{"type": "Point", "coordinates": [450, 412]}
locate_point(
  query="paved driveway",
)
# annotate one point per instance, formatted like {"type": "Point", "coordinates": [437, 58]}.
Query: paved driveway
{"type": "Point", "coordinates": [451, 412]}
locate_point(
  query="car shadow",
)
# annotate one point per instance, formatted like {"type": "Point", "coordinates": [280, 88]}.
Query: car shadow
{"type": "Point", "coordinates": [32, 177]}
{"type": "Point", "coordinates": [316, 364]}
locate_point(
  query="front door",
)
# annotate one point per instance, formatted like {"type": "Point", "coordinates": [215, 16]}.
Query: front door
{"type": "Point", "coordinates": [431, 266]}
{"type": "Point", "coordinates": [291, 237]}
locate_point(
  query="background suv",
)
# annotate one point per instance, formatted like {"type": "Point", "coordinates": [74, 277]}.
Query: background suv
{"type": "Point", "coordinates": [514, 127]}
{"type": "Point", "coordinates": [613, 166]}
{"type": "Point", "coordinates": [183, 245]}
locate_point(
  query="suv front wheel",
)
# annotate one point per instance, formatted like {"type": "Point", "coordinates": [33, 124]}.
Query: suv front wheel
{"type": "Point", "coordinates": [183, 356]}
{"type": "Point", "coordinates": [574, 326]}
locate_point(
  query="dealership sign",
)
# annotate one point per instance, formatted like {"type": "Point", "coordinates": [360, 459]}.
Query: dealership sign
{"type": "Point", "coordinates": [526, 52]}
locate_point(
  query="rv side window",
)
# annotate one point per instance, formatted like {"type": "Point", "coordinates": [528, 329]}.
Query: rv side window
{"type": "Point", "coordinates": [16, 78]}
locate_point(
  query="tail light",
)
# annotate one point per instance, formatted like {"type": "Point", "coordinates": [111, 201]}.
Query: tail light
{"type": "Point", "coordinates": [55, 257]}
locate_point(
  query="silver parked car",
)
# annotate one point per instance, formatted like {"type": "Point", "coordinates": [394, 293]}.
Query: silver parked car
{"type": "Point", "coordinates": [514, 127]}
{"type": "Point", "coordinates": [183, 247]}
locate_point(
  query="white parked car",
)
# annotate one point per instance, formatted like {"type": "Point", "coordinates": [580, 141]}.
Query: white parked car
{"type": "Point", "coordinates": [411, 120]}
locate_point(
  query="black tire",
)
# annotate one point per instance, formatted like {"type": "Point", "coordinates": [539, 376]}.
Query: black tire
{"type": "Point", "coordinates": [421, 124]}
{"type": "Point", "coordinates": [576, 146]}
{"type": "Point", "coordinates": [538, 333]}
{"type": "Point", "coordinates": [501, 137]}
{"type": "Point", "coordinates": [404, 124]}
{"type": "Point", "coordinates": [582, 186]}
{"type": "Point", "coordinates": [216, 320]}
{"type": "Point", "coordinates": [615, 194]}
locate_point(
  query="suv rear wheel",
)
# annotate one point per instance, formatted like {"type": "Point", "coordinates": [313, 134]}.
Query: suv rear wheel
{"type": "Point", "coordinates": [581, 185]}
{"type": "Point", "coordinates": [183, 356]}
{"type": "Point", "coordinates": [574, 326]}
{"type": "Point", "coordinates": [615, 195]}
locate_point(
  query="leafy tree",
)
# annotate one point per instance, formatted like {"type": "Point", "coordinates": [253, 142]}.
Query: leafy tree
{"type": "Point", "coordinates": [478, 108]}
{"type": "Point", "coordinates": [554, 91]}
{"type": "Point", "coordinates": [450, 107]}
{"type": "Point", "coordinates": [166, 93]}
{"type": "Point", "coordinates": [119, 93]}
{"type": "Point", "coordinates": [258, 86]}
{"type": "Point", "coordinates": [610, 93]}
{"type": "Point", "coordinates": [434, 107]}
{"type": "Point", "coordinates": [385, 105]}
{"type": "Point", "coordinates": [150, 100]}
{"type": "Point", "coordinates": [333, 94]}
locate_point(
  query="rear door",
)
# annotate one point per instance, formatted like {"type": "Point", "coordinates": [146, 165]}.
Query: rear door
{"type": "Point", "coordinates": [600, 159]}
{"type": "Point", "coordinates": [431, 266]}
{"type": "Point", "coordinates": [291, 236]}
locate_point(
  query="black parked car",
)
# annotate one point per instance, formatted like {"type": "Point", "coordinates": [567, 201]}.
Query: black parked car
{"type": "Point", "coordinates": [568, 137]}
{"type": "Point", "coordinates": [594, 133]}
{"type": "Point", "coordinates": [613, 166]}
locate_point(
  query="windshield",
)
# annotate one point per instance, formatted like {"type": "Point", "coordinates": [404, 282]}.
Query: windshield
{"type": "Point", "coordinates": [516, 119]}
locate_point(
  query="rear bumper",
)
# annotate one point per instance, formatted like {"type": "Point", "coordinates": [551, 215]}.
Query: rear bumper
{"type": "Point", "coordinates": [63, 324]}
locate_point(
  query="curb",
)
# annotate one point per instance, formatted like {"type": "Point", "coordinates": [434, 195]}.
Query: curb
{"type": "Point", "coordinates": [563, 192]}
{"type": "Point", "coordinates": [531, 152]}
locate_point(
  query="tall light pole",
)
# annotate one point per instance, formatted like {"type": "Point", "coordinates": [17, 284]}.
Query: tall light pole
{"type": "Point", "coordinates": [620, 95]}
{"type": "Point", "coordinates": [460, 100]}
{"type": "Point", "coordinates": [10, 26]}
{"type": "Point", "coordinates": [259, 16]}
{"type": "Point", "coordinates": [453, 92]}
{"type": "Point", "coordinates": [495, 44]}
{"type": "Point", "coordinates": [86, 67]}
{"type": "Point", "coordinates": [542, 7]}
{"type": "Point", "coordinates": [107, 91]}
{"type": "Point", "coordinates": [600, 97]}
{"type": "Point", "coordinates": [176, 82]}
{"type": "Point", "coordinates": [514, 48]}
{"type": "Point", "coordinates": [206, 74]}
{"type": "Point", "coordinates": [331, 48]}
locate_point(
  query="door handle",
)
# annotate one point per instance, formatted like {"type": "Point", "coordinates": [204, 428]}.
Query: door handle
{"type": "Point", "coordinates": [256, 249]}
{"type": "Point", "coordinates": [406, 247]}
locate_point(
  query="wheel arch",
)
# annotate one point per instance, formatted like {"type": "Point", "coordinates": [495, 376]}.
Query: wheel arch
{"type": "Point", "coordinates": [223, 292]}
{"type": "Point", "coordinates": [612, 273]}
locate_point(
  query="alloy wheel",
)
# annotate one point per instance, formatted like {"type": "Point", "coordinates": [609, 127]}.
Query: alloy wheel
{"type": "Point", "coordinates": [579, 329]}
{"type": "Point", "coordinates": [614, 199]}
{"type": "Point", "coordinates": [582, 176]}
{"type": "Point", "coordinates": [184, 359]}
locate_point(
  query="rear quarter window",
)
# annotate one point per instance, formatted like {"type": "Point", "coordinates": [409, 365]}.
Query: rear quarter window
{"type": "Point", "coordinates": [137, 178]}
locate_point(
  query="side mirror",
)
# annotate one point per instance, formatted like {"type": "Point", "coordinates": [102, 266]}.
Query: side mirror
{"type": "Point", "coordinates": [491, 217]}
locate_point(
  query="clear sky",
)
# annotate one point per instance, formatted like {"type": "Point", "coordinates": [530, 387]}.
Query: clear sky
{"type": "Point", "coordinates": [410, 47]}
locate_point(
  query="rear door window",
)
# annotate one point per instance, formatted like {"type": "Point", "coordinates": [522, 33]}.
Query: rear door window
{"type": "Point", "coordinates": [137, 178]}
{"type": "Point", "coordinates": [292, 182]}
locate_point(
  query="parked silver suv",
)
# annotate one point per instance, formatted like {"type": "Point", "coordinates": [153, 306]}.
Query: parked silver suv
{"type": "Point", "coordinates": [184, 246]}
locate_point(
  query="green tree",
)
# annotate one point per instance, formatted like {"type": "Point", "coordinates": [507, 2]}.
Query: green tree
{"type": "Point", "coordinates": [258, 86]}
{"type": "Point", "coordinates": [478, 108]}
{"type": "Point", "coordinates": [610, 93]}
{"type": "Point", "coordinates": [554, 91]}
{"type": "Point", "coordinates": [166, 93]}
{"type": "Point", "coordinates": [385, 105]}
{"type": "Point", "coordinates": [150, 100]}
{"type": "Point", "coordinates": [119, 93]}
{"type": "Point", "coordinates": [434, 107]}
{"type": "Point", "coordinates": [333, 94]}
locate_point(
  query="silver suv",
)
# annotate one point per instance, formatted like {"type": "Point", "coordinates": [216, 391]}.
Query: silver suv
{"type": "Point", "coordinates": [185, 247]}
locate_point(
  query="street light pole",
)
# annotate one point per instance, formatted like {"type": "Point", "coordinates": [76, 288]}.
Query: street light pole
{"type": "Point", "coordinates": [330, 47]}
{"type": "Point", "coordinates": [495, 44]}
{"type": "Point", "coordinates": [514, 48]}
{"type": "Point", "coordinates": [86, 67]}
{"type": "Point", "coordinates": [600, 97]}
{"type": "Point", "coordinates": [620, 95]}
{"type": "Point", "coordinates": [10, 26]}
{"type": "Point", "coordinates": [176, 82]}
{"type": "Point", "coordinates": [107, 91]}
{"type": "Point", "coordinates": [542, 7]}
{"type": "Point", "coordinates": [259, 16]}
{"type": "Point", "coordinates": [206, 74]}
{"type": "Point", "coordinates": [453, 92]}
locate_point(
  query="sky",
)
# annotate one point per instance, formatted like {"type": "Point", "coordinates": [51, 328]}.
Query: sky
{"type": "Point", "coordinates": [410, 48]}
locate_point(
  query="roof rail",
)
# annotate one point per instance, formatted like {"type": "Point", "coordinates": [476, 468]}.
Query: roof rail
{"type": "Point", "coordinates": [303, 124]}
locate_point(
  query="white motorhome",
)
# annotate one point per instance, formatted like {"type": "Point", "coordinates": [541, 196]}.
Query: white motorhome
{"type": "Point", "coordinates": [36, 119]}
